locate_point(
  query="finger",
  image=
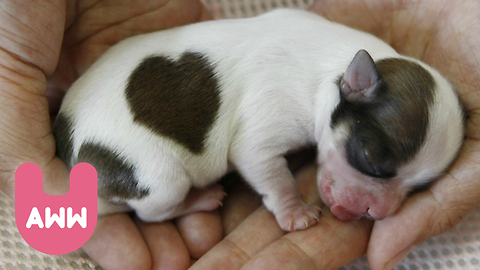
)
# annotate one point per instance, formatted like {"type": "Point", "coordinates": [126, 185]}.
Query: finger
{"type": "Point", "coordinates": [240, 202]}
{"type": "Point", "coordinates": [360, 14]}
{"type": "Point", "coordinates": [56, 178]}
{"type": "Point", "coordinates": [251, 236]}
{"type": "Point", "coordinates": [24, 119]}
{"type": "Point", "coordinates": [200, 231]}
{"type": "Point", "coordinates": [391, 21]}
{"type": "Point", "coordinates": [32, 32]}
{"type": "Point", "coordinates": [91, 33]}
{"type": "Point", "coordinates": [54, 97]}
{"type": "Point", "coordinates": [327, 245]}
{"type": "Point", "coordinates": [428, 213]}
{"type": "Point", "coordinates": [116, 243]}
{"type": "Point", "coordinates": [165, 245]}
{"type": "Point", "coordinates": [248, 227]}
{"type": "Point", "coordinates": [205, 12]}
{"type": "Point", "coordinates": [256, 232]}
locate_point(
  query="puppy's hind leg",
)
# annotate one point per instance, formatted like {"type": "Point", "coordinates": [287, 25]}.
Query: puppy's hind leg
{"type": "Point", "coordinates": [171, 196]}
{"type": "Point", "coordinates": [106, 207]}
{"type": "Point", "coordinates": [205, 199]}
{"type": "Point", "coordinates": [195, 200]}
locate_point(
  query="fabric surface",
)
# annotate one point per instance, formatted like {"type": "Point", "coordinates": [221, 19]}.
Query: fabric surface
{"type": "Point", "coordinates": [458, 248]}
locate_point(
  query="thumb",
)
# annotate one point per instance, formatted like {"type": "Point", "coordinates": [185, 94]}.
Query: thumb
{"type": "Point", "coordinates": [428, 213]}
{"type": "Point", "coordinates": [30, 42]}
{"type": "Point", "coordinates": [55, 177]}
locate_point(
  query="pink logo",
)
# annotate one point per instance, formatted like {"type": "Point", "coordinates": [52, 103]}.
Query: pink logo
{"type": "Point", "coordinates": [56, 224]}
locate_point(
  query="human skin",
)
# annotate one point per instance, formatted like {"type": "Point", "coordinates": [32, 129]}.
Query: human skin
{"type": "Point", "coordinates": [442, 33]}
{"type": "Point", "coordinates": [31, 47]}
{"type": "Point", "coordinates": [446, 35]}
{"type": "Point", "coordinates": [44, 47]}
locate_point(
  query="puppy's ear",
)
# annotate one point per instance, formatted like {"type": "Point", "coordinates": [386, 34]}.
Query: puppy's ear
{"type": "Point", "coordinates": [361, 80]}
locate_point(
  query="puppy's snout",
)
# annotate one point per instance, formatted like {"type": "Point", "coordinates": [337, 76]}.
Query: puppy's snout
{"type": "Point", "coordinates": [353, 204]}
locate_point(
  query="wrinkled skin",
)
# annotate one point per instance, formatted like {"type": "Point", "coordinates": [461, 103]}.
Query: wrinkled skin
{"type": "Point", "coordinates": [445, 35]}
{"type": "Point", "coordinates": [37, 50]}
{"type": "Point", "coordinates": [442, 33]}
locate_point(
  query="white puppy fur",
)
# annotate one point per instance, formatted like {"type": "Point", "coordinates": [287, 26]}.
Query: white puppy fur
{"type": "Point", "coordinates": [277, 76]}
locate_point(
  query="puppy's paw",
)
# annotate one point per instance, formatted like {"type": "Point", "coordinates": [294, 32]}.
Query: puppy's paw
{"type": "Point", "coordinates": [206, 199]}
{"type": "Point", "coordinates": [298, 217]}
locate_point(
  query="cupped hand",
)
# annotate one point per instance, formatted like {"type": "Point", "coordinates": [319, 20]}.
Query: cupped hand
{"type": "Point", "coordinates": [254, 240]}
{"type": "Point", "coordinates": [444, 34]}
{"type": "Point", "coordinates": [44, 47]}
{"type": "Point", "coordinates": [441, 33]}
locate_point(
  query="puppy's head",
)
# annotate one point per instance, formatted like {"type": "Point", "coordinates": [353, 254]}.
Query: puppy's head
{"type": "Point", "coordinates": [397, 127]}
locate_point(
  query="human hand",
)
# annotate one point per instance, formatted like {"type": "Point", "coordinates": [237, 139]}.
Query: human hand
{"type": "Point", "coordinates": [51, 43]}
{"type": "Point", "coordinates": [443, 34]}
{"type": "Point", "coordinates": [255, 241]}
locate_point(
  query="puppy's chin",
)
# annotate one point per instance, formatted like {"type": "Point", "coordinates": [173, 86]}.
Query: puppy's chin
{"type": "Point", "coordinates": [351, 195]}
{"type": "Point", "coordinates": [326, 194]}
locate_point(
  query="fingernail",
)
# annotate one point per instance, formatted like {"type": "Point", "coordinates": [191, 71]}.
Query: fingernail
{"type": "Point", "coordinates": [398, 258]}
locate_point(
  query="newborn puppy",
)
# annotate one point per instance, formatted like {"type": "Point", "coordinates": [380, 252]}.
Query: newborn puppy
{"type": "Point", "coordinates": [163, 112]}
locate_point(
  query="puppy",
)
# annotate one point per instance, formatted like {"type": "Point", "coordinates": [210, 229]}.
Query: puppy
{"type": "Point", "coordinates": [163, 112]}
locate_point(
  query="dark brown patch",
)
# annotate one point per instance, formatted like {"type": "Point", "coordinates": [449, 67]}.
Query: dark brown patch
{"type": "Point", "coordinates": [178, 99]}
{"type": "Point", "coordinates": [389, 130]}
{"type": "Point", "coordinates": [62, 131]}
{"type": "Point", "coordinates": [116, 177]}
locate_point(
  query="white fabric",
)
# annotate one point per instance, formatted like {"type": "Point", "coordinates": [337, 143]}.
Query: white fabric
{"type": "Point", "coordinates": [458, 248]}
{"type": "Point", "coordinates": [16, 254]}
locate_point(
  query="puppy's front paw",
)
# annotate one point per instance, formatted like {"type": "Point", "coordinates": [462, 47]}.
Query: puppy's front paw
{"type": "Point", "coordinates": [298, 217]}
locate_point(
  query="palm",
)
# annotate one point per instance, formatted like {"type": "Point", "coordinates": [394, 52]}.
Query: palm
{"type": "Point", "coordinates": [440, 34]}
{"type": "Point", "coordinates": [92, 29]}
{"type": "Point", "coordinates": [425, 29]}
{"type": "Point", "coordinates": [30, 55]}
